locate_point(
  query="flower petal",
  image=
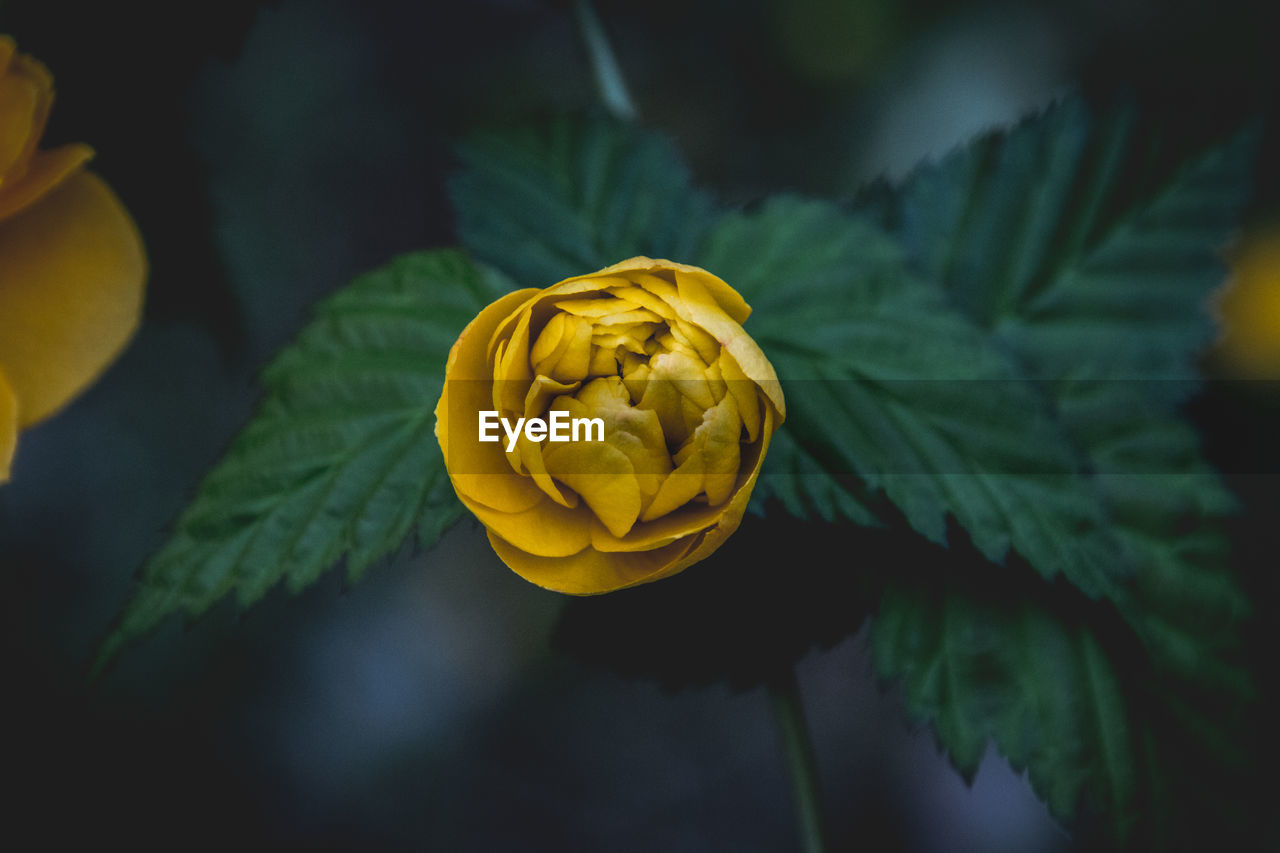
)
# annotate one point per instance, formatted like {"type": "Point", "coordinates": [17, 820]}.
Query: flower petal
{"type": "Point", "coordinates": [26, 95]}
{"type": "Point", "coordinates": [479, 470]}
{"type": "Point", "coordinates": [589, 572]}
{"type": "Point", "coordinates": [71, 294]}
{"type": "Point", "coordinates": [681, 486]}
{"type": "Point", "coordinates": [725, 297]}
{"type": "Point", "coordinates": [45, 170]}
{"type": "Point", "coordinates": [603, 476]}
{"type": "Point", "coordinates": [546, 529]}
{"type": "Point", "coordinates": [8, 428]}
{"type": "Point", "coordinates": [700, 306]}
{"type": "Point", "coordinates": [734, 509]}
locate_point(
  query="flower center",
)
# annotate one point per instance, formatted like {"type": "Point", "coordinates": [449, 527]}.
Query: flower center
{"type": "Point", "coordinates": [663, 386]}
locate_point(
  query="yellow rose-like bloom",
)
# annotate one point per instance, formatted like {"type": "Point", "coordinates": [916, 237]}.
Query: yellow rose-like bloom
{"type": "Point", "coordinates": [72, 265]}
{"type": "Point", "coordinates": [689, 402]}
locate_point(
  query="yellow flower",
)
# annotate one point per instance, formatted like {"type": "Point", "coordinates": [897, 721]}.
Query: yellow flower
{"type": "Point", "coordinates": [72, 265]}
{"type": "Point", "coordinates": [1249, 306]}
{"type": "Point", "coordinates": [686, 403]}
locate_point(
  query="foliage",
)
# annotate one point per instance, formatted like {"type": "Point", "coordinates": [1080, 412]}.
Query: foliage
{"type": "Point", "coordinates": [985, 363]}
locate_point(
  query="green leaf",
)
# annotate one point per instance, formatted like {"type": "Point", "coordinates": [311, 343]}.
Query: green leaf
{"type": "Point", "coordinates": [980, 663]}
{"type": "Point", "coordinates": [1066, 692]}
{"type": "Point", "coordinates": [574, 196]}
{"type": "Point", "coordinates": [1062, 268]}
{"type": "Point", "coordinates": [885, 380]}
{"type": "Point", "coordinates": [1095, 281]}
{"type": "Point", "coordinates": [1100, 292]}
{"type": "Point", "coordinates": [340, 461]}
{"type": "Point", "coordinates": [1060, 237]}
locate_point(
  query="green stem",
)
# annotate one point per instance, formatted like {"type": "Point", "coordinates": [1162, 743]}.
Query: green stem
{"type": "Point", "coordinates": [784, 692]}
{"type": "Point", "coordinates": [613, 88]}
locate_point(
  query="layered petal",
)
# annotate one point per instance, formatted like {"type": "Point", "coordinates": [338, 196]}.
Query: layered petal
{"type": "Point", "coordinates": [8, 427]}
{"type": "Point", "coordinates": [656, 352]}
{"type": "Point", "coordinates": [26, 96]}
{"type": "Point", "coordinates": [72, 271]}
{"type": "Point", "coordinates": [479, 470]}
{"type": "Point", "coordinates": [590, 572]}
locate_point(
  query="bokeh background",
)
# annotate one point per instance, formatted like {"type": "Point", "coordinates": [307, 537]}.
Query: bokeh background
{"type": "Point", "coordinates": [271, 151]}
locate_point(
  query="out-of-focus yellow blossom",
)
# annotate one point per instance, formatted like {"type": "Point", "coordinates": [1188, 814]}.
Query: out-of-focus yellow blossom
{"type": "Point", "coordinates": [688, 403]}
{"type": "Point", "coordinates": [1248, 306]}
{"type": "Point", "coordinates": [72, 265]}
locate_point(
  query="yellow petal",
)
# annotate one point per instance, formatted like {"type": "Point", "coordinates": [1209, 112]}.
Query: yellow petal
{"type": "Point", "coordinates": [533, 462]}
{"type": "Point", "coordinates": [681, 486]}
{"type": "Point", "coordinates": [541, 392]}
{"type": "Point", "coordinates": [732, 513]}
{"type": "Point", "coordinates": [635, 432]}
{"type": "Point", "coordinates": [604, 478]}
{"type": "Point", "coordinates": [595, 307]}
{"type": "Point", "coordinates": [590, 283]}
{"type": "Point", "coordinates": [689, 519]}
{"type": "Point", "coordinates": [661, 397]}
{"type": "Point", "coordinates": [715, 378]}
{"type": "Point", "coordinates": [536, 403]}
{"type": "Point", "coordinates": [551, 343]}
{"type": "Point", "coordinates": [574, 363]}
{"type": "Point", "coordinates": [8, 428]}
{"type": "Point", "coordinates": [19, 99]}
{"type": "Point", "coordinates": [687, 374]}
{"type": "Point", "coordinates": [707, 347]}
{"type": "Point", "coordinates": [511, 370]}
{"type": "Point", "coordinates": [635, 315]}
{"type": "Point", "coordinates": [630, 336]}
{"type": "Point", "coordinates": [699, 306]}
{"type": "Point", "coordinates": [589, 572]}
{"type": "Point", "coordinates": [717, 439]}
{"type": "Point", "coordinates": [645, 299]}
{"type": "Point", "coordinates": [479, 470]}
{"type": "Point", "coordinates": [26, 96]}
{"type": "Point", "coordinates": [545, 529]}
{"type": "Point", "coordinates": [44, 171]}
{"type": "Point", "coordinates": [603, 361]}
{"type": "Point", "coordinates": [745, 393]}
{"type": "Point", "coordinates": [725, 297]}
{"type": "Point", "coordinates": [71, 294]}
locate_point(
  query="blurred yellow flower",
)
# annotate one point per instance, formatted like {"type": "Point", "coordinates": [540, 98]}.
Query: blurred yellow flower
{"type": "Point", "coordinates": [72, 265]}
{"type": "Point", "coordinates": [686, 404]}
{"type": "Point", "coordinates": [1248, 306]}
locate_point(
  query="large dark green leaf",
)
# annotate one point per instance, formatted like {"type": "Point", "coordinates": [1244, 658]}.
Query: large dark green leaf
{"type": "Point", "coordinates": [341, 460]}
{"type": "Point", "coordinates": [573, 196]}
{"type": "Point", "coordinates": [1091, 267]}
{"type": "Point", "coordinates": [1057, 253]}
{"type": "Point", "coordinates": [888, 384]}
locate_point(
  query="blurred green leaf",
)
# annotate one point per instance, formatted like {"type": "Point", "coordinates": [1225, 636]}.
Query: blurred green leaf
{"type": "Point", "coordinates": [573, 196]}
{"type": "Point", "coordinates": [341, 459]}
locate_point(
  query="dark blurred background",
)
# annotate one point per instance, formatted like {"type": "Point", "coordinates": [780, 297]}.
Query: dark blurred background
{"type": "Point", "coordinates": [270, 151]}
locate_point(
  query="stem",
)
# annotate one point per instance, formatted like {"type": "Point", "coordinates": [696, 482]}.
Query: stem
{"type": "Point", "coordinates": [784, 692]}
{"type": "Point", "coordinates": [613, 88]}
